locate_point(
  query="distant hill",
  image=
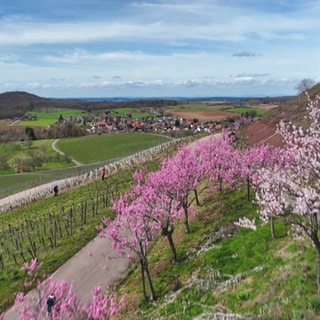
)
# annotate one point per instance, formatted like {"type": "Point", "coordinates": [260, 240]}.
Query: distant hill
{"type": "Point", "coordinates": [17, 103]}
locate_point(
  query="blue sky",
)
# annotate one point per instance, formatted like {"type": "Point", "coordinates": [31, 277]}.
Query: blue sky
{"type": "Point", "coordinates": [103, 48]}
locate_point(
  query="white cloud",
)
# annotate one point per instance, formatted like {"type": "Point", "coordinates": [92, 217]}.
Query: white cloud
{"type": "Point", "coordinates": [189, 46]}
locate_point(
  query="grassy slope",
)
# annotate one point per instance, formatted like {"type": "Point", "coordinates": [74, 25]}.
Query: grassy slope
{"type": "Point", "coordinates": [11, 278]}
{"type": "Point", "coordinates": [224, 268]}
{"type": "Point", "coordinates": [48, 116]}
{"type": "Point", "coordinates": [97, 150]}
{"type": "Point", "coordinates": [221, 268]}
{"type": "Point", "coordinates": [90, 149]}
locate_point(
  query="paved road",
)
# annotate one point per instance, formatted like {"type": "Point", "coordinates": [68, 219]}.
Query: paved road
{"type": "Point", "coordinates": [86, 270]}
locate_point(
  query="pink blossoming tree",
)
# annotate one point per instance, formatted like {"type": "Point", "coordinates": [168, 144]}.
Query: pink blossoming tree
{"type": "Point", "coordinates": [292, 190]}
{"type": "Point", "coordinates": [218, 160]}
{"type": "Point", "coordinates": [179, 177]}
{"type": "Point", "coordinates": [133, 229]}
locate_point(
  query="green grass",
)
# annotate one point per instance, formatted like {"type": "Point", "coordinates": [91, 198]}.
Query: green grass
{"type": "Point", "coordinates": [261, 275]}
{"type": "Point", "coordinates": [38, 212]}
{"type": "Point", "coordinates": [134, 112]}
{"type": "Point", "coordinates": [212, 108]}
{"type": "Point", "coordinates": [49, 116]}
{"type": "Point", "coordinates": [92, 151]}
{"type": "Point", "coordinates": [259, 112]}
{"type": "Point", "coordinates": [16, 151]}
{"type": "Point", "coordinates": [96, 148]}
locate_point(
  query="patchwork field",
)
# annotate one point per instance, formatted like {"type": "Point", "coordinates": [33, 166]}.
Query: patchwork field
{"type": "Point", "coordinates": [204, 115]}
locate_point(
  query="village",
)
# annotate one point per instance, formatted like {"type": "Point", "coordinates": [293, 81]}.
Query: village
{"type": "Point", "coordinates": [111, 122]}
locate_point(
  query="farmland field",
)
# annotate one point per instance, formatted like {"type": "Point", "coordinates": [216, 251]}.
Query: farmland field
{"type": "Point", "coordinates": [46, 117]}
{"type": "Point", "coordinates": [258, 111]}
{"type": "Point", "coordinates": [206, 111]}
{"type": "Point", "coordinates": [92, 151]}
{"type": "Point", "coordinates": [134, 112]}
{"type": "Point", "coordinates": [89, 149]}
{"type": "Point", "coordinates": [15, 152]}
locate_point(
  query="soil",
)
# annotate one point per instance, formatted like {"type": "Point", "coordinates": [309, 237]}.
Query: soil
{"type": "Point", "coordinates": [256, 133]}
{"type": "Point", "coordinates": [260, 132]}
{"type": "Point", "coordinates": [204, 115]}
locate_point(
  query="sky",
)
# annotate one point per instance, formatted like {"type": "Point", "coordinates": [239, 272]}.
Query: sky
{"type": "Point", "coordinates": [176, 48]}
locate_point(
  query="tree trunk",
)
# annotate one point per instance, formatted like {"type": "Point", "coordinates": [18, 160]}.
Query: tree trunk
{"type": "Point", "coordinates": [196, 196]}
{"type": "Point", "coordinates": [186, 219]}
{"type": "Point", "coordinates": [220, 183]}
{"type": "Point", "coordinates": [143, 279]}
{"type": "Point", "coordinates": [172, 247]}
{"type": "Point", "coordinates": [145, 271]}
{"type": "Point", "coordinates": [248, 189]}
{"type": "Point", "coordinates": [273, 234]}
{"type": "Point", "coordinates": [151, 288]}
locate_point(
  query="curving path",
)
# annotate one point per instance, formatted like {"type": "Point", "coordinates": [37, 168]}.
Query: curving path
{"type": "Point", "coordinates": [53, 146]}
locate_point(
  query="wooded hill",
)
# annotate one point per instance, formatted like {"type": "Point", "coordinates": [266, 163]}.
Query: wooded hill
{"type": "Point", "coordinates": [17, 103]}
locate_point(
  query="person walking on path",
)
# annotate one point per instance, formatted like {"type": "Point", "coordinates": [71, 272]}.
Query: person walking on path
{"type": "Point", "coordinates": [103, 173]}
{"type": "Point", "coordinates": [50, 303]}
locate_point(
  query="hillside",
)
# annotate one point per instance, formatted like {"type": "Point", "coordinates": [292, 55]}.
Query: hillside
{"type": "Point", "coordinates": [293, 110]}
{"type": "Point", "coordinates": [17, 103]}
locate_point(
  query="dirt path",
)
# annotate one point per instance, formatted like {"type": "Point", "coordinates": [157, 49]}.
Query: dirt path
{"type": "Point", "coordinates": [53, 146]}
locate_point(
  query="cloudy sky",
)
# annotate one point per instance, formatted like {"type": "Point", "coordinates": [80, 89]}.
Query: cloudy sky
{"type": "Point", "coordinates": [158, 48]}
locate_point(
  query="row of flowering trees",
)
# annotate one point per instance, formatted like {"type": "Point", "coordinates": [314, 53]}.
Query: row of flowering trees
{"type": "Point", "coordinates": [156, 201]}
{"type": "Point", "coordinates": [286, 182]}
{"type": "Point", "coordinates": [290, 189]}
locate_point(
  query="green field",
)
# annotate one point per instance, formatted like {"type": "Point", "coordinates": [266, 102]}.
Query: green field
{"type": "Point", "coordinates": [49, 116]}
{"type": "Point", "coordinates": [219, 107]}
{"type": "Point", "coordinates": [15, 152]}
{"type": "Point", "coordinates": [257, 111]}
{"type": "Point", "coordinates": [90, 149]}
{"type": "Point", "coordinates": [134, 113]}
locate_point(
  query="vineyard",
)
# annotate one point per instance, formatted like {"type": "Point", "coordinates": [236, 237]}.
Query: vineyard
{"type": "Point", "coordinates": [198, 262]}
{"type": "Point", "coordinates": [36, 224]}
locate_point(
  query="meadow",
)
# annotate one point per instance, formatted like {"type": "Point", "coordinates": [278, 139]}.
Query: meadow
{"type": "Point", "coordinates": [210, 107]}
{"type": "Point", "coordinates": [258, 111]}
{"type": "Point", "coordinates": [17, 151]}
{"type": "Point", "coordinates": [48, 116]}
{"type": "Point", "coordinates": [134, 113]}
{"type": "Point", "coordinates": [92, 151]}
